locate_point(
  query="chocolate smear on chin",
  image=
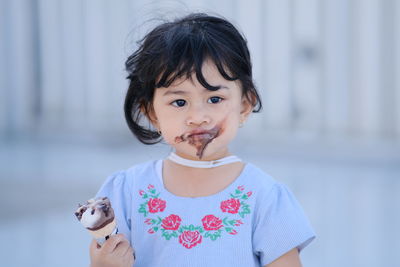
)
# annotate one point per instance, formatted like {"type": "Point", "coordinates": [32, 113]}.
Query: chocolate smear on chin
{"type": "Point", "coordinates": [200, 141]}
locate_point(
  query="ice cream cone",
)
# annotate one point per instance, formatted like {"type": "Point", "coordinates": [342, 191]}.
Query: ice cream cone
{"type": "Point", "coordinates": [98, 217]}
{"type": "Point", "coordinates": [105, 231]}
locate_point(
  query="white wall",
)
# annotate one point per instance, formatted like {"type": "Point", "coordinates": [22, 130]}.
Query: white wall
{"type": "Point", "coordinates": [323, 68]}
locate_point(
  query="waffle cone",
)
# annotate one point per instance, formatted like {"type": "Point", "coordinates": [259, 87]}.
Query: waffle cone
{"type": "Point", "coordinates": [105, 231]}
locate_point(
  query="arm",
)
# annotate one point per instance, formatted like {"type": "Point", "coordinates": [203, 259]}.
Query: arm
{"type": "Point", "coordinates": [290, 259]}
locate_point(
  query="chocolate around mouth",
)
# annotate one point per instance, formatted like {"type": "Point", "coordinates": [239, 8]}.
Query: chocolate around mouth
{"type": "Point", "coordinates": [200, 140]}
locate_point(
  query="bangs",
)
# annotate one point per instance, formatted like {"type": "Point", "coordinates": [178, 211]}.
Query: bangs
{"type": "Point", "coordinates": [184, 50]}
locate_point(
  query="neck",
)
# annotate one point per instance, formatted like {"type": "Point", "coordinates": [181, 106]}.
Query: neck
{"type": "Point", "coordinates": [216, 156]}
{"type": "Point", "coordinates": [198, 173]}
{"type": "Point", "coordinates": [202, 164]}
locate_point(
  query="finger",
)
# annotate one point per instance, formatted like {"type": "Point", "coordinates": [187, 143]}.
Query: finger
{"type": "Point", "coordinates": [94, 249]}
{"type": "Point", "coordinates": [111, 243]}
{"type": "Point", "coordinates": [122, 247]}
{"type": "Point", "coordinates": [94, 245]}
{"type": "Point", "coordinates": [129, 251]}
{"type": "Point", "coordinates": [129, 256]}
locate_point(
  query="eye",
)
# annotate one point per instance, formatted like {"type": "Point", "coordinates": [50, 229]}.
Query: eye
{"type": "Point", "coordinates": [179, 103]}
{"type": "Point", "coordinates": [215, 99]}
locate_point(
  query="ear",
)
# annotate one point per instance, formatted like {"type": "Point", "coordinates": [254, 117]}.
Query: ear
{"type": "Point", "coordinates": [246, 107]}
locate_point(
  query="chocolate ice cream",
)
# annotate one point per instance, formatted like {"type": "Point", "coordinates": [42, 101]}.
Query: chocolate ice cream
{"type": "Point", "coordinates": [97, 216]}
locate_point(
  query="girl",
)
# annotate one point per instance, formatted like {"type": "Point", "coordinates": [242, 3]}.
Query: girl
{"type": "Point", "coordinates": [201, 206]}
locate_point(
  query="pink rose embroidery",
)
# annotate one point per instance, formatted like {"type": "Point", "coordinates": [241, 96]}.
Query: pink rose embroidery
{"type": "Point", "coordinates": [172, 222]}
{"type": "Point", "coordinates": [231, 205]}
{"type": "Point", "coordinates": [190, 239]}
{"type": "Point", "coordinates": [210, 222]}
{"type": "Point", "coordinates": [156, 205]}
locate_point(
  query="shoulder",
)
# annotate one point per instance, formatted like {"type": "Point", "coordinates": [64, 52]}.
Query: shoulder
{"type": "Point", "coordinates": [125, 179]}
{"type": "Point", "coordinates": [267, 190]}
{"type": "Point", "coordinates": [141, 169]}
{"type": "Point", "coordinates": [259, 179]}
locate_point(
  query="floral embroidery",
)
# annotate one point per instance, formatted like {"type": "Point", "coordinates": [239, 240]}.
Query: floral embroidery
{"type": "Point", "coordinates": [172, 222]}
{"type": "Point", "coordinates": [190, 236]}
{"type": "Point", "coordinates": [156, 205]}
{"type": "Point", "coordinates": [231, 205]}
{"type": "Point", "coordinates": [190, 239]}
{"type": "Point", "coordinates": [210, 222]}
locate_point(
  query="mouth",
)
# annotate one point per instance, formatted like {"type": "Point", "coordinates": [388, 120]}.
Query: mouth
{"type": "Point", "coordinates": [198, 134]}
{"type": "Point", "coordinates": [201, 134]}
{"type": "Point", "coordinates": [199, 138]}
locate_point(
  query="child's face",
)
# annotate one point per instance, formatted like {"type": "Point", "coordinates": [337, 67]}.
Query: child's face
{"type": "Point", "coordinates": [197, 122]}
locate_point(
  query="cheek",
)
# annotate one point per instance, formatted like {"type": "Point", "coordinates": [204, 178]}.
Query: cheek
{"type": "Point", "coordinates": [234, 105]}
{"type": "Point", "coordinates": [231, 113]}
{"type": "Point", "coordinates": [228, 112]}
{"type": "Point", "coordinates": [229, 125]}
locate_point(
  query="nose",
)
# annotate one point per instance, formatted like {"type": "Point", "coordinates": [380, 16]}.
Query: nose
{"type": "Point", "coordinates": [197, 115]}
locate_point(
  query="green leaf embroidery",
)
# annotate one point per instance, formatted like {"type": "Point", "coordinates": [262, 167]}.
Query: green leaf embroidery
{"type": "Point", "coordinates": [213, 236]}
{"type": "Point", "coordinates": [143, 210]}
{"type": "Point", "coordinates": [246, 210]}
{"type": "Point", "coordinates": [168, 236]}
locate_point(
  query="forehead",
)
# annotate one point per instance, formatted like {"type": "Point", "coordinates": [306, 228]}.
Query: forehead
{"type": "Point", "coordinates": [211, 75]}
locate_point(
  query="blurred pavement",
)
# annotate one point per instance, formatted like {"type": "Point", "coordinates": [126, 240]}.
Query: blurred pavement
{"type": "Point", "coordinates": [349, 190]}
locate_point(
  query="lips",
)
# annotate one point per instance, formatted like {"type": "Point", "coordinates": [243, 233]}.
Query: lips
{"type": "Point", "coordinates": [200, 135]}
{"type": "Point", "coordinates": [199, 132]}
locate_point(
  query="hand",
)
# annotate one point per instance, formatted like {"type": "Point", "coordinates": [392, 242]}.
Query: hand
{"type": "Point", "coordinates": [115, 252]}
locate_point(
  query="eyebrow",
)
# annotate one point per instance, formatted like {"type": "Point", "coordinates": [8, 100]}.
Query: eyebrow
{"type": "Point", "coordinates": [181, 92]}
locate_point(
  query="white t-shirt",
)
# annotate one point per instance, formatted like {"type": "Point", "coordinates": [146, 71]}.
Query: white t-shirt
{"type": "Point", "coordinates": [252, 222]}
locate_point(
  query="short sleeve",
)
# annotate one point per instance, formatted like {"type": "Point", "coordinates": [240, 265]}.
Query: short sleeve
{"type": "Point", "coordinates": [116, 188]}
{"type": "Point", "coordinates": [280, 225]}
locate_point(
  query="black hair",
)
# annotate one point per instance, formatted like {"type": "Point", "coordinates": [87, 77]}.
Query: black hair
{"type": "Point", "coordinates": [176, 49]}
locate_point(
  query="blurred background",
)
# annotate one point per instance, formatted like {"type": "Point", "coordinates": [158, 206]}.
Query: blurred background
{"type": "Point", "coordinates": [328, 73]}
